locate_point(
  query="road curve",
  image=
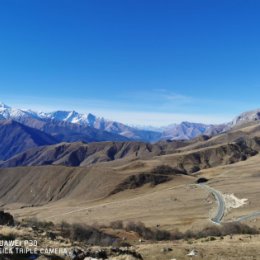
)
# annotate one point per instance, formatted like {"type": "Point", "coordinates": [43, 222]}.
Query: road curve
{"type": "Point", "coordinates": [217, 219]}
{"type": "Point", "coordinates": [221, 203]}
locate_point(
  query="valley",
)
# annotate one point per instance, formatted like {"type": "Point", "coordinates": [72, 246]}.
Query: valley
{"type": "Point", "coordinates": [185, 187]}
{"type": "Point", "coordinates": [177, 203]}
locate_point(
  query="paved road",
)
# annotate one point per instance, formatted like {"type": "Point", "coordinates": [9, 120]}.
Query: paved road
{"type": "Point", "coordinates": [216, 219]}
{"type": "Point", "coordinates": [221, 203]}
{"type": "Point", "coordinates": [249, 216]}
{"type": "Point", "coordinates": [221, 207]}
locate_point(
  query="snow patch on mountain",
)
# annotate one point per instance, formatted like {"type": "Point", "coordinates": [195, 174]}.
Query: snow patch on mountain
{"type": "Point", "coordinates": [31, 118]}
{"type": "Point", "coordinates": [182, 131]}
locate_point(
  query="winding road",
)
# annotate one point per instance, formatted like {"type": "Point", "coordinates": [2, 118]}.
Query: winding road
{"type": "Point", "coordinates": [221, 203]}
{"type": "Point", "coordinates": [217, 219]}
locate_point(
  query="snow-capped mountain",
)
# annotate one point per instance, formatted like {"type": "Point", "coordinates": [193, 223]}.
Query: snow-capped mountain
{"type": "Point", "coordinates": [68, 122]}
{"type": "Point", "coordinates": [66, 116]}
{"type": "Point", "coordinates": [7, 112]}
{"type": "Point", "coordinates": [78, 121]}
{"type": "Point", "coordinates": [91, 120]}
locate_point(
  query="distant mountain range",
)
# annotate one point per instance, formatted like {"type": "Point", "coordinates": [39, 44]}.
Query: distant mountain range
{"type": "Point", "coordinates": [73, 126]}
{"type": "Point", "coordinates": [187, 130]}
{"type": "Point", "coordinates": [23, 129]}
{"type": "Point", "coordinates": [82, 121]}
{"type": "Point", "coordinates": [16, 138]}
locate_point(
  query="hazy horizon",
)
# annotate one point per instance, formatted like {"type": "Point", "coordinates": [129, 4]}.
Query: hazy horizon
{"type": "Point", "coordinates": [155, 120]}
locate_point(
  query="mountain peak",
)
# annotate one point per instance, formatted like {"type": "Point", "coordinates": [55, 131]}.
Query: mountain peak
{"type": "Point", "coordinates": [91, 119]}
{"type": "Point", "coordinates": [246, 117]}
{"type": "Point", "coordinates": [3, 105]}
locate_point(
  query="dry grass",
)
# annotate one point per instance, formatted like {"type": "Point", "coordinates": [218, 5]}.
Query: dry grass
{"type": "Point", "coordinates": [172, 205]}
{"type": "Point", "coordinates": [238, 247]}
{"type": "Point", "coordinates": [13, 232]}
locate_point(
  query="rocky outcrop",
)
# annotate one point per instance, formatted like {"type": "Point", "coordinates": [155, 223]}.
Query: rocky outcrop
{"type": "Point", "coordinates": [6, 219]}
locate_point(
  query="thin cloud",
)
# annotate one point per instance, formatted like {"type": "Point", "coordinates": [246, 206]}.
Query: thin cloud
{"type": "Point", "coordinates": [176, 97]}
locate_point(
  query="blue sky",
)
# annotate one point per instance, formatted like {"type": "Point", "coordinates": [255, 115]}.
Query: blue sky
{"type": "Point", "coordinates": [136, 61]}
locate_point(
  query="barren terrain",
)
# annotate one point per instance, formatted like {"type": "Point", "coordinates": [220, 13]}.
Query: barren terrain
{"type": "Point", "coordinates": [137, 188]}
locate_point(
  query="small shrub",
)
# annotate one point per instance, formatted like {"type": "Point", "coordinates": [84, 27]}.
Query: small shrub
{"type": "Point", "coordinates": [209, 232]}
{"type": "Point", "coordinates": [166, 170]}
{"type": "Point", "coordinates": [238, 228]}
{"type": "Point", "coordinates": [87, 234]}
{"type": "Point", "coordinates": [35, 223]}
{"type": "Point", "coordinates": [117, 224]}
{"type": "Point", "coordinates": [148, 233]}
{"type": "Point", "coordinates": [10, 236]}
{"type": "Point", "coordinates": [195, 169]}
{"type": "Point", "coordinates": [202, 180]}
